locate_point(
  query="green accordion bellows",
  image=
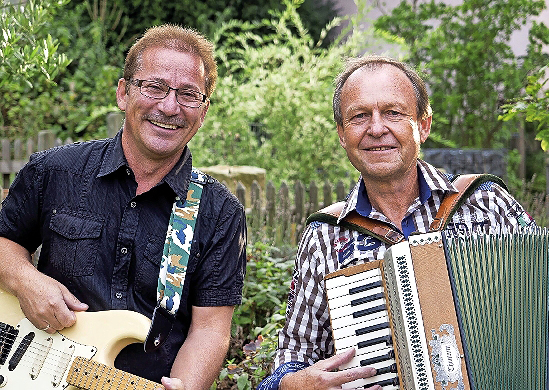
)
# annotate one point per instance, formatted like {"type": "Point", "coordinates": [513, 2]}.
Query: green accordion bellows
{"type": "Point", "coordinates": [500, 283]}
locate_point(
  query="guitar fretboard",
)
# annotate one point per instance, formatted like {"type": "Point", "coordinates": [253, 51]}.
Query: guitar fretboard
{"type": "Point", "coordinates": [88, 374]}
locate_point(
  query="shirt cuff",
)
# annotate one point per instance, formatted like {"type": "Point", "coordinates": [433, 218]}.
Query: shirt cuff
{"type": "Point", "coordinates": [273, 381]}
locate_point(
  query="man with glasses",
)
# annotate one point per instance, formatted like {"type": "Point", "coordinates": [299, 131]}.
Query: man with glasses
{"type": "Point", "coordinates": [101, 210]}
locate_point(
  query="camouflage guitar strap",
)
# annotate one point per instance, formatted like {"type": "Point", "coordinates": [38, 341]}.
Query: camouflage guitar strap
{"type": "Point", "coordinates": [175, 258]}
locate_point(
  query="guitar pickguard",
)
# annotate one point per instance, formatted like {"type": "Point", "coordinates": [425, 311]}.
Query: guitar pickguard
{"type": "Point", "coordinates": [33, 359]}
{"type": "Point", "coordinates": [82, 355]}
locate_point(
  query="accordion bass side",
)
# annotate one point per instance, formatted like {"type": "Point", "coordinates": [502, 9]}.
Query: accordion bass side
{"type": "Point", "coordinates": [448, 311]}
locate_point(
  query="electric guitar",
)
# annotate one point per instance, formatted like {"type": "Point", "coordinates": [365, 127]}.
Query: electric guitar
{"type": "Point", "coordinates": [80, 357]}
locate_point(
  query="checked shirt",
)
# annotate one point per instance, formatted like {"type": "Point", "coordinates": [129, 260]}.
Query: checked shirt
{"type": "Point", "coordinates": [306, 336]}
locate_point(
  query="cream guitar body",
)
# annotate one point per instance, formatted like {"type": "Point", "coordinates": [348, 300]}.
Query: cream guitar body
{"type": "Point", "coordinates": [80, 357]}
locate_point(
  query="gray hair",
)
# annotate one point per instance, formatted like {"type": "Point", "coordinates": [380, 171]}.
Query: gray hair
{"type": "Point", "coordinates": [373, 62]}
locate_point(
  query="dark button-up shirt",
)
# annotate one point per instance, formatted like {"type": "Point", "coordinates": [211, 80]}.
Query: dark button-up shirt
{"type": "Point", "coordinates": [105, 243]}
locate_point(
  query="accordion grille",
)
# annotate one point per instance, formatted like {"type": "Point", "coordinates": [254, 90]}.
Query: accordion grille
{"type": "Point", "coordinates": [500, 283]}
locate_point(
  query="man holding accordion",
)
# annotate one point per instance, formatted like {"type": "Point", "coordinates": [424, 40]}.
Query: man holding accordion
{"type": "Point", "coordinates": [382, 111]}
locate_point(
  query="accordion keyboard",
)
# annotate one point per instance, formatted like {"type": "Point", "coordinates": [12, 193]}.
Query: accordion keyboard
{"type": "Point", "coordinates": [360, 320]}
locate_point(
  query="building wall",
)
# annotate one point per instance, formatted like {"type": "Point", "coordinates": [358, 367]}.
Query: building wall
{"type": "Point", "coordinates": [519, 39]}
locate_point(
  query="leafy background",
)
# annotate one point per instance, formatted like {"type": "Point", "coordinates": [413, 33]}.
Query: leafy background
{"type": "Point", "coordinates": [61, 59]}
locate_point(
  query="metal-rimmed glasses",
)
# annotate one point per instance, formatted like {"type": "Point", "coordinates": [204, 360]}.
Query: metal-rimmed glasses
{"type": "Point", "coordinates": [159, 90]}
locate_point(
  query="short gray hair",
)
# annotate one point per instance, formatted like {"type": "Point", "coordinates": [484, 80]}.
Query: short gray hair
{"type": "Point", "coordinates": [373, 62]}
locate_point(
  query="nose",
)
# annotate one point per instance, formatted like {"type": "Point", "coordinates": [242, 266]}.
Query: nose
{"type": "Point", "coordinates": [377, 126]}
{"type": "Point", "coordinates": [169, 104]}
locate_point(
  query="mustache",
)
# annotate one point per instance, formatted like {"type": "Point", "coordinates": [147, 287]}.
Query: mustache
{"type": "Point", "coordinates": [179, 122]}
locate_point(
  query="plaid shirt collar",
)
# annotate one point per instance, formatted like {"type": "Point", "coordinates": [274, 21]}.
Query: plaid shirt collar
{"type": "Point", "coordinates": [430, 179]}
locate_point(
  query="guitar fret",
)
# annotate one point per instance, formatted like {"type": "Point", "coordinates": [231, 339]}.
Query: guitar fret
{"type": "Point", "coordinates": [90, 375]}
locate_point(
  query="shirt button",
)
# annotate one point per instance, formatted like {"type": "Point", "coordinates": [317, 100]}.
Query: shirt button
{"type": "Point", "coordinates": [124, 250]}
{"type": "Point", "coordinates": [128, 172]}
{"type": "Point", "coordinates": [118, 295]}
{"type": "Point", "coordinates": [133, 204]}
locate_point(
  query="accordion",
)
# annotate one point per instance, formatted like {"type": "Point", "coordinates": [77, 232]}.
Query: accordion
{"type": "Point", "coordinates": [448, 311]}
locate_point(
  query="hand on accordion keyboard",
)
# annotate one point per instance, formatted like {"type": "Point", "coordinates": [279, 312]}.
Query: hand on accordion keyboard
{"type": "Point", "coordinates": [323, 375]}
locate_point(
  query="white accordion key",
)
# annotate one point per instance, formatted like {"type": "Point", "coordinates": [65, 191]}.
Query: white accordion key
{"type": "Point", "coordinates": [360, 320]}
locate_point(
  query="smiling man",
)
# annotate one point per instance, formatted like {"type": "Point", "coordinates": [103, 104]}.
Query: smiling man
{"type": "Point", "coordinates": [102, 209]}
{"type": "Point", "coordinates": [382, 112]}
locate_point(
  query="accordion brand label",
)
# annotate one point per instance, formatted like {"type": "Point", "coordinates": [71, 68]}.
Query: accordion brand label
{"type": "Point", "coordinates": [446, 358]}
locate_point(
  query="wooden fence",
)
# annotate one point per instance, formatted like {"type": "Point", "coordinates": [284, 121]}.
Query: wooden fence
{"type": "Point", "coordinates": [275, 216]}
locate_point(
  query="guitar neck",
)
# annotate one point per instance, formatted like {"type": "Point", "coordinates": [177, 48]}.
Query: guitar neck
{"type": "Point", "coordinates": [88, 374]}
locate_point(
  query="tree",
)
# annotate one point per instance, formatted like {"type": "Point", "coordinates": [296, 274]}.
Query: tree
{"type": "Point", "coordinates": [468, 63]}
{"type": "Point", "coordinates": [273, 106]}
{"type": "Point", "coordinates": [533, 106]}
{"type": "Point", "coordinates": [533, 103]}
{"type": "Point", "coordinates": [29, 60]}
{"type": "Point", "coordinates": [134, 16]}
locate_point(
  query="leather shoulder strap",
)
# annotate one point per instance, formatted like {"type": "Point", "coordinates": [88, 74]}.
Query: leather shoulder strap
{"type": "Point", "coordinates": [355, 221]}
{"type": "Point", "coordinates": [466, 185]}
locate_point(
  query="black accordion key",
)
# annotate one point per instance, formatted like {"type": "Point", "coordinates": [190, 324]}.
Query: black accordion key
{"type": "Point", "coordinates": [369, 298]}
{"type": "Point", "coordinates": [388, 340]}
{"type": "Point", "coordinates": [366, 287]}
{"type": "Point", "coordinates": [373, 328]}
{"type": "Point", "coordinates": [372, 310]}
{"type": "Point", "coordinates": [387, 382]}
{"type": "Point", "coordinates": [378, 359]}
{"type": "Point", "coordinates": [387, 370]}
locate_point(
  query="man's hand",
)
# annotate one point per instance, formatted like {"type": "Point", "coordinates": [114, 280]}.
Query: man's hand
{"type": "Point", "coordinates": [45, 302]}
{"type": "Point", "coordinates": [172, 384]}
{"type": "Point", "coordinates": [48, 304]}
{"type": "Point", "coordinates": [322, 375]}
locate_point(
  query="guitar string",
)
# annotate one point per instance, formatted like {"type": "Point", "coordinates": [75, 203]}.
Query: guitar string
{"type": "Point", "coordinates": [16, 339]}
{"type": "Point", "coordinates": [64, 358]}
{"type": "Point", "coordinates": [58, 360]}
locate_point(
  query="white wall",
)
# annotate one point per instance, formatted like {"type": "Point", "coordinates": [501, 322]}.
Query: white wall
{"type": "Point", "coordinates": [519, 39]}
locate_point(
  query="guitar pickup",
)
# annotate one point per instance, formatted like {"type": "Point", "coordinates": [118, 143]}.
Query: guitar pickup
{"type": "Point", "coordinates": [20, 351]}
{"type": "Point", "coordinates": [8, 334]}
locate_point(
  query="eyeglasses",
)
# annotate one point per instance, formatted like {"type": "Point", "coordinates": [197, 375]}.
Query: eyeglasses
{"type": "Point", "coordinates": [159, 90]}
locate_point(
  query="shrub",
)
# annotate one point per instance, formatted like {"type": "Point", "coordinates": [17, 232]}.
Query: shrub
{"type": "Point", "coordinates": [272, 107]}
{"type": "Point", "coordinates": [258, 319]}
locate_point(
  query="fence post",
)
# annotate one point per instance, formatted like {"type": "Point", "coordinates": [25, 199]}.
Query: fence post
{"type": "Point", "coordinates": [255, 217]}
{"type": "Point", "coordinates": [327, 194]}
{"type": "Point", "coordinates": [340, 191]}
{"type": "Point", "coordinates": [241, 194]}
{"type": "Point", "coordinates": [6, 163]}
{"type": "Point", "coordinates": [270, 211]}
{"type": "Point", "coordinates": [299, 201]}
{"type": "Point", "coordinates": [313, 199]}
{"type": "Point", "coordinates": [114, 123]}
{"type": "Point", "coordinates": [283, 214]}
{"type": "Point", "coordinates": [46, 140]}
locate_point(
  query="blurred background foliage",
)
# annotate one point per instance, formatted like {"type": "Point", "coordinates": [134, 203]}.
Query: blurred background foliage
{"type": "Point", "coordinates": [61, 60]}
{"type": "Point", "coordinates": [277, 61]}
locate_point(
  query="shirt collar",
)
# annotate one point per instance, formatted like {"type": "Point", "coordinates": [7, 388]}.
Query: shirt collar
{"type": "Point", "coordinates": [114, 157]}
{"type": "Point", "coordinates": [178, 178]}
{"type": "Point", "coordinates": [430, 180]}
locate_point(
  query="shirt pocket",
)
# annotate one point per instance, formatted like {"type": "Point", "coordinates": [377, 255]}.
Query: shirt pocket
{"type": "Point", "coordinates": [75, 243]}
{"type": "Point", "coordinates": [146, 278]}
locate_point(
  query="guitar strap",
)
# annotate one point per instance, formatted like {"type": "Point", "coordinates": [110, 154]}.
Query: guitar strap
{"type": "Point", "coordinates": [175, 258]}
{"type": "Point", "coordinates": [465, 184]}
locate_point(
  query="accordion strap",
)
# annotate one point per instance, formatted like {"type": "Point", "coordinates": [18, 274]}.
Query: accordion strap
{"type": "Point", "coordinates": [465, 184]}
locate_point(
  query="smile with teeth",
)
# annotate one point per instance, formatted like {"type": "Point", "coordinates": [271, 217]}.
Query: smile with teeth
{"type": "Point", "coordinates": [164, 125]}
{"type": "Point", "coordinates": [381, 148]}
